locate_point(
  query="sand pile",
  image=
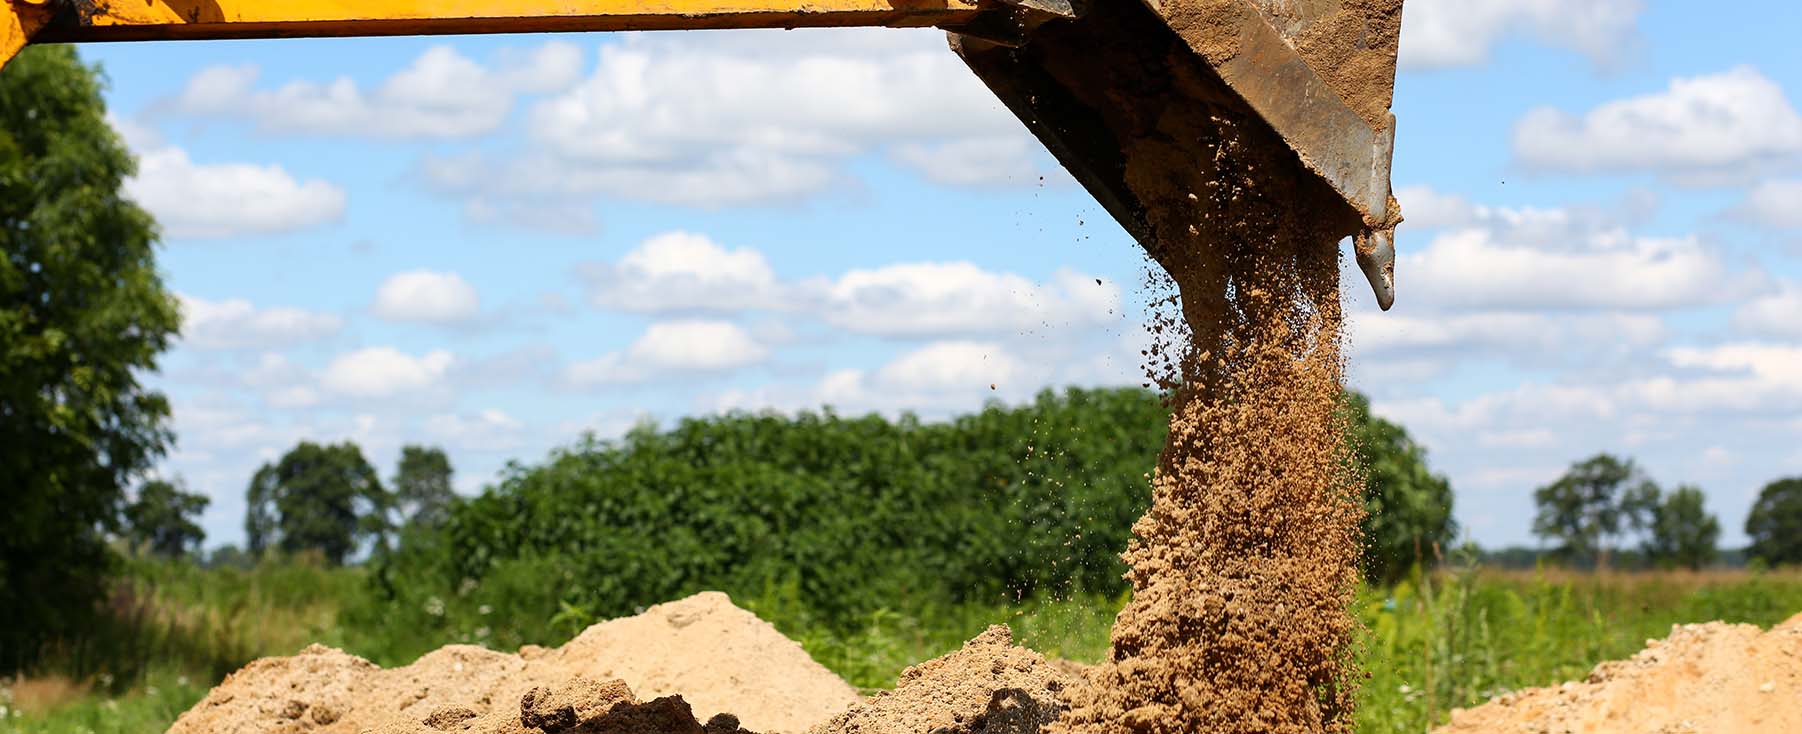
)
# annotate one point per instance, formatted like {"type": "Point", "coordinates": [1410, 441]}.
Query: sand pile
{"type": "Point", "coordinates": [988, 687]}
{"type": "Point", "coordinates": [717, 657]}
{"type": "Point", "coordinates": [1703, 678]}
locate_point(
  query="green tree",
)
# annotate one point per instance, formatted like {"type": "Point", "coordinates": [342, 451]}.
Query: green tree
{"type": "Point", "coordinates": [1681, 531]}
{"type": "Point", "coordinates": [1588, 507]}
{"type": "Point", "coordinates": [161, 519]}
{"type": "Point", "coordinates": [323, 498]}
{"type": "Point", "coordinates": [1775, 523]}
{"type": "Point", "coordinates": [422, 486]}
{"type": "Point", "coordinates": [1408, 508]}
{"type": "Point", "coordinates": [83, 313]}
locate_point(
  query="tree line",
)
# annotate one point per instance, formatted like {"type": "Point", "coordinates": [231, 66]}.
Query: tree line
{"type": "Point", "coordinates": [1602, 503]}
{"type": "Point", "coordinates": [323, 499]}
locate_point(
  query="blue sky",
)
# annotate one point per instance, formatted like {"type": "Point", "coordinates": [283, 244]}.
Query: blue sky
{"type": "Point", "coordinates": [495, 243]}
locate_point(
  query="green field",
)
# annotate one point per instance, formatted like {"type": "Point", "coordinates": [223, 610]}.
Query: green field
{"type": "Point", "coordinates": [1431, 644]}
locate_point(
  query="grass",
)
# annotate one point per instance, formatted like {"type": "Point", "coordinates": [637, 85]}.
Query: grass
{"type": "Point", "coordinates": [1447, 640]}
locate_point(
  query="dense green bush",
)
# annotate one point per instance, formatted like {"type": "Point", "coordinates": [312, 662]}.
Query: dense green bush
{"type": "Point", "coordinates": [858, 513]}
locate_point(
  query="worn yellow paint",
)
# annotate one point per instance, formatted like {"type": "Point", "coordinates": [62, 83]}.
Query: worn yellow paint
{"type": "Point", "coordinates": [120, 20]}
{"type": "Point", "coordinates": [18, 23]}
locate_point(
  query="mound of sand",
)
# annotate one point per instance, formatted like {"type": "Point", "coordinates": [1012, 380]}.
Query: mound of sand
{"type": "Point", "coordinates": [700, 652]}
{"type": "Point", "coordinates": [988, 687]}
{"type": "Point", "coordinates": [1711, 677]}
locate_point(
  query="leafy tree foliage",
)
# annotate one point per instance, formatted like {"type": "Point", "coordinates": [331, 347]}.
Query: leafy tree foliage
{"type": "Point", "coordinates": [1682, 532]}
{"type": "Point", "coordinates": [1775, 523]}
{"type": "Point", "coordinates": [161, 519]}
{"type": "Point", "coordinates": [323, 498]}
{"type": "Point", "coordinates": [82, 313]}
{"type": "Point", "coordinates": [422, 486]}
{"type": "Point", "coordinates": [1408, 508]}
{"type": "Point", "coordinates": [853, 512]}
{"type": "Point", "coordinates": [1589, 506]}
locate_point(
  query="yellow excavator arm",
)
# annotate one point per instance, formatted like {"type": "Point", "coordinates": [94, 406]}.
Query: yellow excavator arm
{"type": "Point", "coordinates": [1092, 79]}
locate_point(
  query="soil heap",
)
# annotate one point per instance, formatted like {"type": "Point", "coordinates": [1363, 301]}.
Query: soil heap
{"type": "Point", "coordinates": [1244, 567]}
{"type": "Point", "coordinates": [701, 652]}
{"type": "Point", "coordinates": [987, 687]}
{"type": "Point", "coordinates": [1712, 677]}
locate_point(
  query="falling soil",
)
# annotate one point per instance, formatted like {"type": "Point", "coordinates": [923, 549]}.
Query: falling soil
{"type": "Point", "coordinates": [1244, 568]}
{"type": "Point", "coordinates": [694, 658]}
{"type": "Point", "coordinates": [1712, 677]}
{"type": "Point", "coordinates": [988, 687]}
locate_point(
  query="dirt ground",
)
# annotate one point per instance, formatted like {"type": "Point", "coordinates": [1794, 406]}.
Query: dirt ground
{"type": "Point", "coordinates": [1703, 678]}
{"type": "Point", "coordinates": [665, 671]}
{"type": "Point", "coordinates": [714, 655]}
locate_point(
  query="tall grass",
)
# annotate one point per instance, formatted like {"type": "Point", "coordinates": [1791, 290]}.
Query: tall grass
{"type": "Point", "coordinates": [1432, 643]}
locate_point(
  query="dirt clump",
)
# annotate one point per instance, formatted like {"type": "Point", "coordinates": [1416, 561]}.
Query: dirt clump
{"type": "Point", "coordinates": [700, 657]}
{"type": "Point", "coordinates": [1712, 677]}
{"type": "Point", "coordinates": [989, 686]}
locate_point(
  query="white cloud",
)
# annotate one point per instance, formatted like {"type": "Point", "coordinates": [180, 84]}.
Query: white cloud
{"type": "Point", "coordinates": [487, 430]}
{"type": "Point", "coordinates": [377, 372]}
{"type": "Point", "coordinates": [746, 117]}
{"type": "Point", "coordinates": [1699, 128]}
{"type": "Point", "coordinates": [678, 272]}
{"type": "Point", "coordinates": [427, 296]}
{"type": "Point", "coordinates": [1426, 208]}
{"type": "Point", "coordinates": [228, 199]}
{"type": "Point", "coordinates": [671, 348]}
{"type": "Point", "coordinates": [960, 298]}
{"type": "Point", "coordinates": [1534, 339]}
{"type": "Point", "coordinates": [1011, 160]}
{"type": "Point", "coordinates": [237, 324]}
{"type": "Point", "coordinates": [442, 94]}
{"type": "Point", "coordinates": [1777, 314]}
{"type": "Point", "coordinates": [1441, 33]}
{"type": "Point", "coordinates": [1473, 268]}
{"type": "Point", "coordinates": [935, 379]}
{"type": "Point", "coordinates": [1774, 204]}
{"type": "Point", "coordinates": [1518, 438]}
{"type": "Point", "coordinates": [683, 271]}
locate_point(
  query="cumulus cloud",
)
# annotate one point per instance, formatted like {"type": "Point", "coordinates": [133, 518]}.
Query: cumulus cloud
{"type": "Point", "coordinates": [1008, 160]}
{"type": "Point", "coordinates": [1528, 337]}
{"type": "Point", "coordinates": [960, 298]}
{"type": "Point", "coordinates": [736, 118]}
{"type": "Point", "coordinates": [487, 430]}
{"type": "Point", "coordinates": [427, 296]}
{"type": "Point", "coordinates": [933, 379]}
{"type": "Point", "coordinates": [1442, 33]}
{"type": "Point", "coordinates": [679, 272]}
{"type": "Point", "coordinates": [1698, 129]}
{"type": "Point", "coordinates": [1776, 203]}
{"type": "Point", "coordinates": [1774, 314]}
{"type": "Point", "coordinates": [236, 323]}
{"type": "Point", "coordinates": [672, 348]}
{"type": "Point", "coordinates": [218, 200]}
{"type": "Point", "coordinates": [1477, 269]}
{"type": "Point", "coordinates": [379, 372]}
{"type": "Point", "coordinates": [441, 94]}
{"type": "Point", "coordinates": [683, 271]}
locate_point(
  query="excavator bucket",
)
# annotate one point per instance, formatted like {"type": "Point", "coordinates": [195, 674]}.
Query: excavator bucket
{"type": "Point", "coordinates": [1094, 79]}
{"type": "Point", "coordinates": [1091, 78]}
